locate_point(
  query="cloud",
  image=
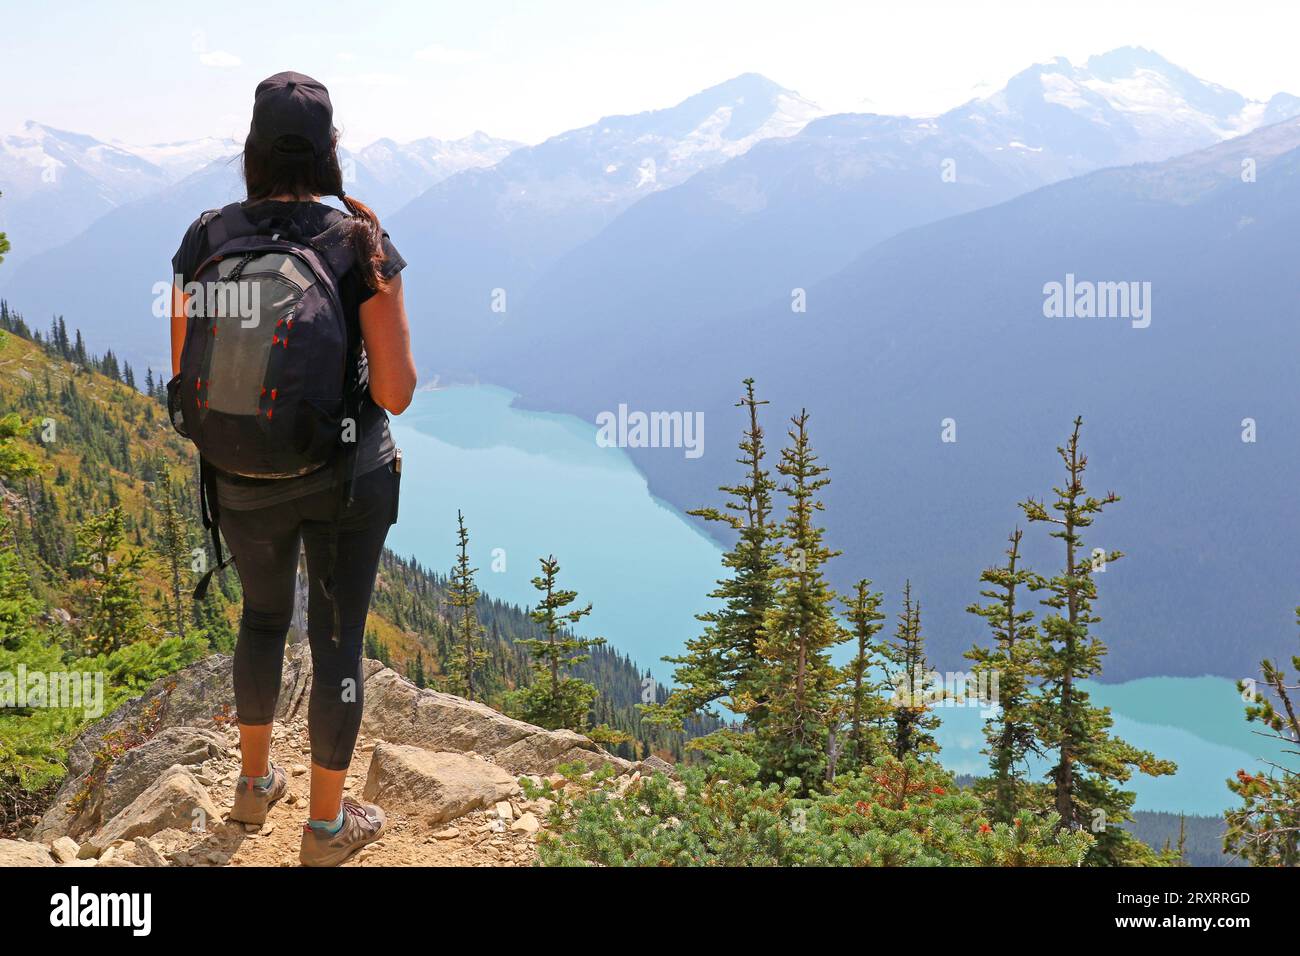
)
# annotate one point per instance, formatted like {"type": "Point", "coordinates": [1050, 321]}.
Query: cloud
{"type": "Point", "coordinates": [215, 58]}
{"type": "Point", "coordinates": [445, 56]}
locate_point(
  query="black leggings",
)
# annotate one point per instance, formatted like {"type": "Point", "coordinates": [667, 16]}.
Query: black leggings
{"type": "Point", "coordinates": [265, 544]}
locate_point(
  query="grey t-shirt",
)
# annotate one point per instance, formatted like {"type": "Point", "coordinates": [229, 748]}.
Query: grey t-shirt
{"type": "Point", "coordinates": [375, 446]}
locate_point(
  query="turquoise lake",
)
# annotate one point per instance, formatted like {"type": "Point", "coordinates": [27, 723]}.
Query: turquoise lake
{"type": "Point", "coordinates": [532, 484]}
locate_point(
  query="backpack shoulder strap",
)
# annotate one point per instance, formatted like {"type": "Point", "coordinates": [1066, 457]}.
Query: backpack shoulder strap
{"type": "Point", "coordinates": [336, 248]}
{"type": "Point", "coordinates": [227, 223]}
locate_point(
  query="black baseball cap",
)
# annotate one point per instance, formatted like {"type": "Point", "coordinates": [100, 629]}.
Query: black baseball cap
{"type": "Point", "coordinates": [290, 111]}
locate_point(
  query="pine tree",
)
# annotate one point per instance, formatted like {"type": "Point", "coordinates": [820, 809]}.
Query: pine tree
{"type": "Point", "coordinates": [174, 542]}
{"type": "Point", "coordinates": [16, 460]}
{"type": "Point", "coordinates": [553, 700]}
{"type": "Point", "coordinates": [723, 664]}
{"type": "Point", "coordinates": [1265, 829]}
{"type": "Point", "coordinates": [18, 605]}
{"type": "Point", "coordinates": [377, 650]}
{"type": "Point", "coordinates": [1089, 761]}
{"type": "Point", "coordinates": [463, 594]}
{"type": "Point", "coordinates": [866, 704]}
{"type": "Point", "coordinates": [1008, 668]}
{"type": "Point", "coordinates": [113, 613]}
{"type": "Point", "coordinates": [912, 713]}
{"type": "Point", "coordinates": [799, 681]}
{"type": "Point", "coordinates": [415, 670]}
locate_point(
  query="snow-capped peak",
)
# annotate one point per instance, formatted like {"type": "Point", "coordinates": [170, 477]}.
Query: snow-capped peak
{"type": "Point", "coordinates": [1147, 108]}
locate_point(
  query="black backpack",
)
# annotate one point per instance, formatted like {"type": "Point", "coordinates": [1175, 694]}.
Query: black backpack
{"type": "Point", "coordinates": [268, 382]}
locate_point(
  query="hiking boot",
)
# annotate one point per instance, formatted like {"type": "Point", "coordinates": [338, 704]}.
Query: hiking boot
{"type": "Point", "coordinates": [252, 802]}
{"type": "Point", "coordinates": [363, 823]}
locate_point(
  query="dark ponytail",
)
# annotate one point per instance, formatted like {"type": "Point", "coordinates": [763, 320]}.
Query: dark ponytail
{"type": "Point", "coordinates": [368, 237]}
{"type": "Point", "coordinates": [282, 169]}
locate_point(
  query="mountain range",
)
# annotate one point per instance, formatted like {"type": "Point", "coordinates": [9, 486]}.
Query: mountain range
{"type": "Point", "coordinates": [57, 184]}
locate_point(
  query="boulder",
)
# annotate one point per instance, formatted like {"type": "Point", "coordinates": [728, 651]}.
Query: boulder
{"type": "Point", "coordinates": [175, 799]}
{"type": "Point", "coordinates": [399, 712]}
{"type": "Point", "coordinates": [653, 765]}
{"type": "Point", "coordinates": [139, 852]}
{"type": "Point", "coordinates": [527, 823]}
{"type": "Point", "coordinates": [24, 853]}
{"type": "Point", "coordinates": [138, 768]}
{"type": "Point", "coordinates": [64, 849]}
{"type": "Point", "coordinates": [436, 787]}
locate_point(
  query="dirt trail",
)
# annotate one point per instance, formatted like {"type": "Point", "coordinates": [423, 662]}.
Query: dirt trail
{"type": "Point", "coordinates": [480, 838]}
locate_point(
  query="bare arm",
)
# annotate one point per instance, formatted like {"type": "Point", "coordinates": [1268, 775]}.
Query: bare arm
{"type": "Point", "coordinates": [387, 337]}
{"type": "Point", "coordinates": [179, 300]}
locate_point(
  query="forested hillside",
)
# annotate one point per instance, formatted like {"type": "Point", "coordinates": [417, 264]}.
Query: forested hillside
{"type": "Point", "coordinates": [102, 544]}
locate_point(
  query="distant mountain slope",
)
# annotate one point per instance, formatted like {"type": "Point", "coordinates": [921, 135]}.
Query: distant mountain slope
{"type": "Point", "coordinates": [398, 172]}
{"type": "Point", "coordinates": [947, 321]}
{"type": "Point", "coordinates": [499, 228]}
{"type": "Point", "coordinates": [55, 183]}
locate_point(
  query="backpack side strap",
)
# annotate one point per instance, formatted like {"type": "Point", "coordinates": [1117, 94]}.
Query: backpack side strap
{"type": "Point", "coordinates": [211, 512]}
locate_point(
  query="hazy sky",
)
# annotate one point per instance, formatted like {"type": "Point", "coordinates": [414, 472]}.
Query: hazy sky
{"type": "Point", "coordinates": [148, 72]}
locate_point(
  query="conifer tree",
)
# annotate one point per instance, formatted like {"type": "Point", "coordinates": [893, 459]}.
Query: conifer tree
{"type": "Point", "coordinates": [113, 614]}
{"type": "Point", "coordinates": [554, 700]}
{"type": "Point", "coordinates": [801, 629]}
{"type": "Point", "coordinates": [912, 714]}
{"type": "Point", "coordinates": [18, 605]}
{"type": "Point", "coordinates": [467, 654]}
{"type": "Point", "coordinates": [4, 243]}
{"type": "Point", "coordinates": [174, 542]}
{"type": "Point", "coordinates": [867, 707]}
{"type": "Point", "coordinates": [1008, 668]}
{"type": "Point", "coordinates": [1089, 761]}
{"type": "Point", "coordinates": [16, 460]}
{"type": "Point", "coordinates": [415, 670]}
{"type": "Point", "coordinates": [1265, 829]}
{"type": "Point", "coordinates": [722, 663]}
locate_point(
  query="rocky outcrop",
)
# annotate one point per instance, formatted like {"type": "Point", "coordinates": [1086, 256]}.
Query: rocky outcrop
{"type": "Point", "coordinates": [445, 768]}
